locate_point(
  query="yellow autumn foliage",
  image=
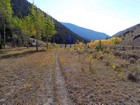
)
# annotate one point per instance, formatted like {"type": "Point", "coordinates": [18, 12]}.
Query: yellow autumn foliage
{"type": "Point", "coordinates": [80, 47]}
{"type": "Point", "coordinates": [111, 41]}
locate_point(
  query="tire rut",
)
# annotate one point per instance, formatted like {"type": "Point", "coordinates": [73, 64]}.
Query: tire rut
{"type": "Point", "coordinates": [48, 97]}
{"type": "Point", "coordinates": [62, 93]}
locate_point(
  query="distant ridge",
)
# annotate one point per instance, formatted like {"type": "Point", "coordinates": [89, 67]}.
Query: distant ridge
{"type": "Point", "coordinates": [86, 33]}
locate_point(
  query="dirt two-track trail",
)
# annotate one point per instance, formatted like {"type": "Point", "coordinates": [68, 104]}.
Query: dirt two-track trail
{"type": "Point", "coordinates": [62, 93]}
{"type": "Point", "coordinates": [59, 95]}
{"type": "Point", "coordinates": [60, 77]}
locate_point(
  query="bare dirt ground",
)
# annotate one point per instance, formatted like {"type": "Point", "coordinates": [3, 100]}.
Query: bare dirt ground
{"type": "Point", "coordinates": [55, 77]}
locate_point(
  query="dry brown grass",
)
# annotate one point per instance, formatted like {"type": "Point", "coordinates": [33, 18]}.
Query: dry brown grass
{"type": "Point", "coordinates": [102, 84]}
{"type": "Point", "coordinates": [21, 79]}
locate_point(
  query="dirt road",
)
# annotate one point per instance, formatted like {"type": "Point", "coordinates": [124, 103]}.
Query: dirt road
{"type": "Point", "coordinates": [34, 79]}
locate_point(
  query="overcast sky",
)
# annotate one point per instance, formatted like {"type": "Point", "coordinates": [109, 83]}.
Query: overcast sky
{"type": "Point", "coordinates": [108, 16]}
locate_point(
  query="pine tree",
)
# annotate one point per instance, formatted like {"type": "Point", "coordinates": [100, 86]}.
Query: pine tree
{"type": "Point", "coordinates": [5, 15]}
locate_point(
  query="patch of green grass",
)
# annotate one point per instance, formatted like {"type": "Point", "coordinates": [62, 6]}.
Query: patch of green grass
{"type": "Point", "coordinates": [2, 52]}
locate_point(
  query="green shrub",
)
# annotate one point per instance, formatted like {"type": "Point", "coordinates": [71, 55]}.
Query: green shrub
{"type": "Point", "coordinates": [100, 46]}
{"type": "Point", "coordinates": [55, 45]}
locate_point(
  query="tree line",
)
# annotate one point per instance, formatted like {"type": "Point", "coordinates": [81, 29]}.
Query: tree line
{"type": "Point", "coordinates": [19, 30]}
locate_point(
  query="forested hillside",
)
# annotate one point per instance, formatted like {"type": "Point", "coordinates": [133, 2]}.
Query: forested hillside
{"type": "Point", "coordinates": [21, 20]}
{"type": "Point", "coordinates": [22, 8]}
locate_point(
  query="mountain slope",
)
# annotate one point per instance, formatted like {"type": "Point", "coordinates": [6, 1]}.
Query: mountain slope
{"type": "Point", "coordinates": [21, 8]}
{"type": "Point", "coordinates": [130, 36]}
{"type": "Point", "coordinates": [86, 33]}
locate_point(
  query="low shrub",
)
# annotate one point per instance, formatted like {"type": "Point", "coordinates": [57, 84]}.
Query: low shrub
{"type": "Point", "coordinates": [135, 75]}
{"type": "Point", "coordinates": [107, 63]}
{"type": "Point", "coordinates": [100, 46]}
{"type": "Point", "coordinates": [132, 61]}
